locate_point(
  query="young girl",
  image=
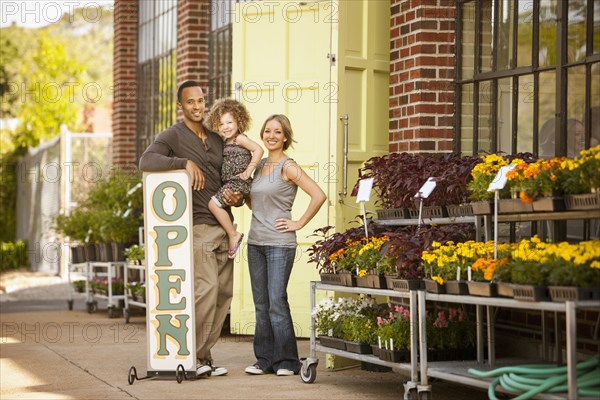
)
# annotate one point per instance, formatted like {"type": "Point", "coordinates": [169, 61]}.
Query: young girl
{"type": "Point", "coordinates": [240, 157]}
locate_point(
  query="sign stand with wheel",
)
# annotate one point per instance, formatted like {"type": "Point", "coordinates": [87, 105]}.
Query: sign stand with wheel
{"type": "Point", "coordinates": [170, 325]}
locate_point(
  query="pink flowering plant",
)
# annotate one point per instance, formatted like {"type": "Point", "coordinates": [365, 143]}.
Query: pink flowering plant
{"type": "Point", "coordinates": [394, 331]}
{"type": "Point", "coordinates": [450, 330]}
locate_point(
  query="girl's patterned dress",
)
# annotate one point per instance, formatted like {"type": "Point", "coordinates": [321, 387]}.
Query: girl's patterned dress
{"type": "Point", "coordinates": [235, 161]}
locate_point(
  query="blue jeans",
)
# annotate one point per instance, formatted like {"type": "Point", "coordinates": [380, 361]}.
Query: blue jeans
{"type": "Point", "coordinates": [274, 339]}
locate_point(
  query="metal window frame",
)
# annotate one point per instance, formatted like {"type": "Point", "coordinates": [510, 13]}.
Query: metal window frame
{"type": "Point", "coordinates": [562, 68]}
{"type": "Point", "coordinates": [156, 91]}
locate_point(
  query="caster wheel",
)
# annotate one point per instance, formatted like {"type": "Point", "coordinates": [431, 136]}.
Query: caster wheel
{"type": "Point", "coordinates": [132, 375]}
{"type": "Point", "coordinates": [92, 306]}
{"type": "Point", "coordinates": [180, 373]}
{"type": "Point", "coordinates": [70, 304]}
{"type": "Point", "coordinates": [309, 374]}
{"type": "Point", "coordinates": [126, 315]}
{"type": "Point", "coordinates": [112, 312]}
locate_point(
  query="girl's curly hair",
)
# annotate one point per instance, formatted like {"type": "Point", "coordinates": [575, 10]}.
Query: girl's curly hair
{"type": "Point", "coordinates": [237, 110]}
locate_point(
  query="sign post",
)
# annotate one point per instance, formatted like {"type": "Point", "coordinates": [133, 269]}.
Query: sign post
{"type": "Point", "coordinates": [424, 193]}
{"type": "Point", "coordinates": [498, 184]}
{"type": "Point", "coordinates": [171, 347]}
{"type": "Point", "coordinates": [364, 194]}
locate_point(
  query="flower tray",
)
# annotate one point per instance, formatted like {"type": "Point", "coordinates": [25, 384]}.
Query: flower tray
{"type": "Point", "coordinates": [469, 353]}
{"type": "Point", "coordinates": [404, 285]}
{"type": "Point", "coordinates": [483, 289]}
{"type": "Point", "coordinates": [586, 201]}
{"type": "Point", "coordinates": [377, 281]}
{"type": "Point", "coordinates": [362, 281]}
{"type": "Point", "coordinates": [393, 213]}
{"type": "Point", "coordinates": [358, 347]}
{"type": "Point", "coordinates": [348, 279]}
{"type": "Point", "coordinates": [548, 204]}
{"type": "Point", "coordinates": [333, 279]}
{"type": "Point", "coordinates": [457, 287]}
{"type": "Point", "coordinates": [430, 212]}
{"type": "Point", "coordinates": [389, 281]}
{"type": "Point", "coordinates": [573, 293]}
{"type": "Point", "coordinates": [333, 342]}
{"type": "Point", "coordinates": [482, 207]}
{"type": "Point", "coordinates": [375, 350]}
{"type": "Point", "coordinates": [513, 206]}
{"type": "Point", "coordinates": [505, 289]}
{"type": "Point", "coordinates": [433, 287]}
{"type": "Point", "coordinates": [530, 293]}
{"type": "Point", "coordinates": [394, 355]}
{"type": "Point", "coordinates": [461, 210]}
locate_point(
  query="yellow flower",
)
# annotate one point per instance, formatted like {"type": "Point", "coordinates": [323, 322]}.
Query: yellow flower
{"type": "Point", "coordinates": [438, 279]}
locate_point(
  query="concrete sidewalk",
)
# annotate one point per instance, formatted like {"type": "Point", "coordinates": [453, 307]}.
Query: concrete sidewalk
{"type": "Point", "coordinates": [54, 353]}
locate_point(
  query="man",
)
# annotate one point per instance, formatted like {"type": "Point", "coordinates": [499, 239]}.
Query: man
{"type": "Point", "coordinates": [192, 146]}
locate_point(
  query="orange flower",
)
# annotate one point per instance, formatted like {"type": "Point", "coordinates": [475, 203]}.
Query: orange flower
{"type": "Point", "coordinates": [524, 198]}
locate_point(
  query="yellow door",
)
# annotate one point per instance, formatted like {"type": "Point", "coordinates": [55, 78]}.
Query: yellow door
{"type": "Point", "coordinates": [280, 66]}
{"type": "Point", "coordinates": [314, 62]}
{"type": "Point", "coordinates": [363, 44]}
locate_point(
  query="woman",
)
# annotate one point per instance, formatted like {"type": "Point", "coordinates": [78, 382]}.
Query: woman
{"type": "Point", "coordinates": [272, 247]}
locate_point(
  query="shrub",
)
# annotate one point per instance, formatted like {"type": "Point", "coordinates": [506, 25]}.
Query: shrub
{"type": "Point", "coordinates": [13, 255]}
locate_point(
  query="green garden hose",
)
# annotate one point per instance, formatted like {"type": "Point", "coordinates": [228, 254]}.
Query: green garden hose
{"type": "Point", "coordinates": [528, 380]}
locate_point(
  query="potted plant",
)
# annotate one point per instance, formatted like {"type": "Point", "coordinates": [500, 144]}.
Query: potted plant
{"type": "Point", "coordinates": [79, 286]}
{"type": "Point", "coordinates": [135, 254]}
{"type": "Point", "coordinates": [580, 180]}
{"type": "Point", "coordinates": [450, 335]}
{"type": "Point", "coordinates": [538, 183]}
{"type": "Point", "coordinates": [484, 173]}
{"type": "Point", "coordinates": [447, 264]}
{"type": "Point", "coordinates": [393, 335]}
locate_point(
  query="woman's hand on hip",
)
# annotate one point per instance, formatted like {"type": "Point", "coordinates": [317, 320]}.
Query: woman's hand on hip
{"type": "Point", "coordinates": [287, 225]}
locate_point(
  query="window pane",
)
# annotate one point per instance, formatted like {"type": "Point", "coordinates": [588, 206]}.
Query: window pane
{"type": "Point", "coordinates": [576, 30]}
{"type": "Point", "coordinates": [468, 40]}
{"type": "Point", "coordinates": [548, 24]}
{"type": "Point", "coordinates": [546, 112]}
{"type": "Point", "coordinates": [575, 110]}
{"type": "Point", "coordinates": [505, 111]}
{"type": "Point", "coordinates": [504, 32]}
{"type": "Point", "coordinates": [595, 103]}
{"type": "Point", "coordinates": [525, 114]}
{"type": "Point", "coordinates": [596, 26]}
{"type": "Point", "coordinates": [466, 120]}
{"type": "Point", "coordinates": [485, 117]}
{"type": "Point", "coordinates": [486, 36]}
{"type": "Point", "coordinates": [525, 33]}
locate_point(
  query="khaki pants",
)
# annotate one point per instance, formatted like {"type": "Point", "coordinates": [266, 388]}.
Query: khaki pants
{"type": "Point", "coordinates": [213, 285]}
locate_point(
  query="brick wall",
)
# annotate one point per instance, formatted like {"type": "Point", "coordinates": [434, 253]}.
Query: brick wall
{"type": "Point", "coordinates": [193, 25]}
{"type": "Point", "coordinates": [124, 63]}
{"type": "Point", "coordinates": [421, 73]}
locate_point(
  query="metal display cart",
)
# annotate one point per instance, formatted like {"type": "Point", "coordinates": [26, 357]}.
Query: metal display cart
{"type": "Point", "coordinates": [128, 300]}
{"type": "Point", "coordinates": [308, 371]}
{"type": "Point", "coordinates": [457, 372]}
{"type": "Point", "coordinates": [90, 271]}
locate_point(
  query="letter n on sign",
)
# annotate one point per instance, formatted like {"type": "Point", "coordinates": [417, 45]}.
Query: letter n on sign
{"type": "Point", "coordinates": [170, 275]}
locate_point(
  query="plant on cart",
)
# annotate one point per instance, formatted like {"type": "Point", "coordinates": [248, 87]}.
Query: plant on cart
{"type": "Point", "coordinates": [135, 254]}
{"type": "Point", "coordinates": [580, 175]}
{"type": "Point", "coordinates": [79, 286]}
{"type": "Point", "coordinates": [538, 179]}
{"type": "Point", "coordinates": [394, 332]}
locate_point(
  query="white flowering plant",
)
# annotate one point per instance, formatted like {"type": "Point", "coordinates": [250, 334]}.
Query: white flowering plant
{"type": "Point", "coordinates": [330, 314]}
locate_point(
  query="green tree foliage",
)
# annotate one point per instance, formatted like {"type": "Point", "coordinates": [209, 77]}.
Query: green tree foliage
{"type": "Point", "coordinates": [49, 99]}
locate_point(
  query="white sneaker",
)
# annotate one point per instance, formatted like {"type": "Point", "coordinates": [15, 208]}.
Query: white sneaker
{"type": "Point", "coordinates": [203, 370]}
{"type": "Point", "coordinates": [284, 372]}
{"type": "Point", "coordinates": [254, 370]}
{"type": "Point", "coordinates": [219, 371]}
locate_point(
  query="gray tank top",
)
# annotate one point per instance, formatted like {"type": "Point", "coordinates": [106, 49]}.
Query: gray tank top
{"type": "Point", "coordinates": [272, 198]}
